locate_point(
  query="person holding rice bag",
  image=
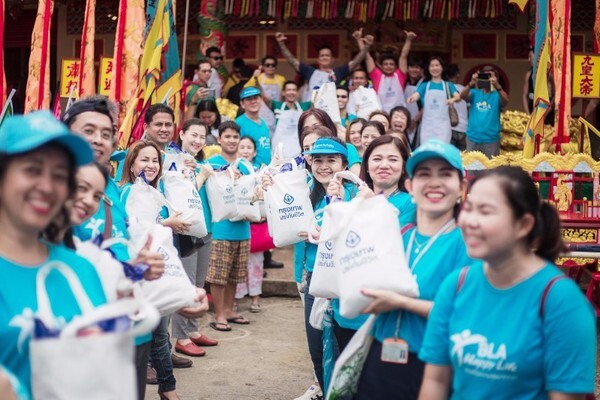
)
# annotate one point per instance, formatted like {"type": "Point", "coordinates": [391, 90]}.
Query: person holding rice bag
{"type": "Point", "coordinates": [434, 248]}
{"type": "Point", "coordinates": [327, 157]}
{"type": "Point", "coordinates": [510, 325]}
{"type": "Point", "coordinates": [38, 160]}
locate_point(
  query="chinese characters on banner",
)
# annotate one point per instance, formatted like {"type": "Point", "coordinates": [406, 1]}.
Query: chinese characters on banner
{"type": "Point", "coordinates": [105, 78]}
{"type": "Point", "coordinates": [69, 76]}
{"type": "Point", "coordinates": [586, 75]}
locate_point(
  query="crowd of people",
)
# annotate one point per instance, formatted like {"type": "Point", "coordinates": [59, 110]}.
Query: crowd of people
{"type": "Point", "coordinates": [494, 317]}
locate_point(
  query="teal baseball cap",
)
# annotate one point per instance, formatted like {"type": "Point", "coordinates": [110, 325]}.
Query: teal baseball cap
{"type": "Point", "coordinates": [328, 146]}
{"type": "Point", "coordinates": [435, 148]}
{"type": "Point", "coordinates": [24, 133]}
{"type": "Point", "coordinates": [249, 91]}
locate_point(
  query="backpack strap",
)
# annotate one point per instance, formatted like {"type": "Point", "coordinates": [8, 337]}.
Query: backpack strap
{"type": "Point", "coordinates": [549, 285]}
{"type": "Point", "coordinates": [461, 278]}
{"type": "Point", "coordinates": [108, 220]}
{"type": "Point", "coordinates": [406, 228]}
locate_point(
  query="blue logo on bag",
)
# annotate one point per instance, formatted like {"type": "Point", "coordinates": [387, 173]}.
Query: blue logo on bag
{"type": "Point", "coordinates": [288, 199]}
{"type": "Point", "coordinates": [163, 252]}
{"type": "Point", "coordinates": [195, 193]}
{"type": "Point", "coordinates": [229, 189]}
{"type": "Point", "coordinates": [244, 191]}
{"type": "Point", "coordinates": [329, 245]}
{"type": "Point", "coordinates": [352, 240]}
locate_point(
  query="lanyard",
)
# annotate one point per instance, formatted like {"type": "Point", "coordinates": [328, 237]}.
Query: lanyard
{"type": "Point", "coordinates": [446, 228]}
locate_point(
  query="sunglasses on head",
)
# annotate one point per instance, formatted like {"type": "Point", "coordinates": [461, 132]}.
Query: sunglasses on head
{"type": "Point", "coordinates": [217, 58]}
{"type": "Point", "coordinates": [269, 65]}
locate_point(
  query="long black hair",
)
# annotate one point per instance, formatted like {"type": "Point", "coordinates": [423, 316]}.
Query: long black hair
{"type": "Point", "coordinates": [523, 198]}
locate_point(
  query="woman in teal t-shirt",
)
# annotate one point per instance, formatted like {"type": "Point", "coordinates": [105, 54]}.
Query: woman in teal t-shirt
{"type": "Point", "coordinates": [38, 159]}
{"type": "Point", "coordinates": [434, 248]}
{"type": "Point", "coordinates": [511, 326]}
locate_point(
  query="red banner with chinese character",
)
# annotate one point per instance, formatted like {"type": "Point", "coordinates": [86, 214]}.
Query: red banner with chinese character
{"type": "Point", "coordinates": [37, 95]}
{"type": "Point", "coordinates": [87, 79]}
{"type": "Point", "coordinates": [586, 76]}
{"type": "Point", "coordinates": [69, 77]}
{"type": "Point", "coordinates": [561, 60]}
{"type": "Point", "coordinates": [105, 76]}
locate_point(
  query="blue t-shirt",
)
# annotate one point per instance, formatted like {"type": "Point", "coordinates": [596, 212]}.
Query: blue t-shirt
{"type": "Point", "coordinates": [229, 230]}
{"type": "Point", "coordinates": [447, 254]}
{"type": "Point", "coordinates": [93, 227]}
{"type": "Point", "coordinates": [353, 156]}
{"type": "Point", "coordinates": [18, 294]}
{"type": "Point", "coordinates": [484, 116]}
{"type": "Point", "coordinates": [422, 88]}
{"type": "Point", "coordinates": [406, 208]}
{"type": "Point", "coordinates": [299, 249]}
{"type": "Point", "coordinates": [499, 346]}
{"type": "Point", "coordinates": [260, 134]}
{"type": "Point", "coordinates": [349, 118]}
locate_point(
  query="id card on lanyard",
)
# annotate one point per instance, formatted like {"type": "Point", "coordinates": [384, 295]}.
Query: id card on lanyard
{"type": "Point", "coordinates": [396, 350]}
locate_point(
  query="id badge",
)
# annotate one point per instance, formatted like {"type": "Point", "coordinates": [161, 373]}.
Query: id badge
{"type": "Point", "coordinates": [394, 350]}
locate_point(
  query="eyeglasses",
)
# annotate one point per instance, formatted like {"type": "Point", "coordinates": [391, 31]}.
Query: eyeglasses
{"type": "Point", "coordinates": [342, 96]}
{"type": "Point", "coordinates": [218, 58]}
{"type": "Point", "coordinates": [269, 65]}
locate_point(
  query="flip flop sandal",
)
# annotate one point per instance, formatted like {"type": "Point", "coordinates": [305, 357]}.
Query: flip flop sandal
{"type": "Point", "coordinates": [220, 326]}
{"type": "Point", "coordinates": [255, 308]}
{"type": "Point", "coordinates": [238, 320]}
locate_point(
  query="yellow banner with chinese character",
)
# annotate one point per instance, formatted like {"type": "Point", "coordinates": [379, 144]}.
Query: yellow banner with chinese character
{"type": "Point", "coordinates": [69, 77]}
{"type": "Point", "coordinates": [105, 78]}
{"type": "Point", "coordinates": [586, 75]}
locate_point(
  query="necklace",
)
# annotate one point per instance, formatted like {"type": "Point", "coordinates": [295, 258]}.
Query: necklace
{"type": "Point", "coordinates": [420, 245]}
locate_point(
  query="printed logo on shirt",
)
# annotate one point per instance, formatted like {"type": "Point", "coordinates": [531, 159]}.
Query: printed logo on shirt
{"type": "Point", "coordinates": [264, 142]}
{"type": "Point", "coordinates": [352, 240]}
{"type": "Point", "coordinates": [479, 357]}
{"type": "Point", "coordinates": [288, 199]}
{"type": "Point", "coordinates": [483, 106]}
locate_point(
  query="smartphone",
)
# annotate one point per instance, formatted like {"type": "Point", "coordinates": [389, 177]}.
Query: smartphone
{"type": "Point", "coordinates": [483, 76]}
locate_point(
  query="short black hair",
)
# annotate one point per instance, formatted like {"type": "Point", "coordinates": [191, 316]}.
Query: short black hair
{"type": "Point", "coordinates": [158, 108]}
{"type": "Point", "coordinates": [211, 50]}
{"type": "Point", "coordinates": [290, 82]}
{"type": "Point", "coordinates": [415, 62]}
{"type": "Point", "coordinates": [268, 57]}
{"type": "Point", "coordinates": [452, 70]}
{"type": "Point", "coordinates": [99, 104]}
{"type": "Point", "coordinates": [388, 56]}
{"type": "Point", "coordinates": [228, 125]}
{"type": "Point", "coordinates": [325, 48]}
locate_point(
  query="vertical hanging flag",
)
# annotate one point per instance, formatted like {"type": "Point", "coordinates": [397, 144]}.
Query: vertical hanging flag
{"type": "Point", "coordinates": [541, 68]}
{"type": "Point", "coordinates": [597, 28]}
{"type": "Point", "coordinates": [37, 95]}
{"type": "Point", "coordinates": [159, 67]}
{"type": "Point", "coordinates": [87, 80]}
{"type": "Point", "coordinates": [2, 77]}
{"type": "Point", "coordinates": [127, 53]}
{"type": "Point", "coordinates": [561, 61]}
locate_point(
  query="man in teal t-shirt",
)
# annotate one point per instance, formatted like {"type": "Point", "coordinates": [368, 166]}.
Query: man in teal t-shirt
{"type": "Point", "coordinates": [486, 99]}
{"type": "Point", "coordinates": [252, 125]}
{"type": "Point", "coordinates": [230, 242]}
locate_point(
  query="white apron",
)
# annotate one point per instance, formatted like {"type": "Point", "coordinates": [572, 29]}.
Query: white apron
{"type": "Point", "coordinates": [286, 131]}
{"type": "Point", "coordinates": [412, 107]}
{"type": "Point", "coordinates": [273, 90]}
{"type": "Point", "coordinates": [391, 93]}
{"type": "Point", "coordinates": [436, 121]}
{"type": "Point", "coordinates": [317, 79]}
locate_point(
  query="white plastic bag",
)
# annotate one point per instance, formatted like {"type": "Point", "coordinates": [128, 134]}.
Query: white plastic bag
{"type": "Point", "coordinates": [289, 210]}
{"type": "Point", "coordinates": [108, 268]}
{"type": "Point", "coordinates": [324, 281]}
{"type": "Point", "coordinates": [173, 290]}
{"type": "Point", "coordinates": [221, 197]}
{"type": "Point", "coordinates": [184, 197]}
{"type": "Point", "coordinates": [369, 253]}
{"type": "Point", "coordinates": [144, 203]}
{"type": "Point", "coordinates": [349, 365]}
{"type": "Point", "coordinates": [366, 101]}
{"type": "Point", "coordinates": [326, 100]}
{"type": "Point", "coordinates": [317, 312]}
{"type": "Point", "coordinates": [243, 187]}
{"type": "Point", "coordinates": [62, 367]}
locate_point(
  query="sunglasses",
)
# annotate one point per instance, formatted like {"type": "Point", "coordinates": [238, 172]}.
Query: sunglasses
{"type": "Point", "coordinates": [342, 96]}
{"type": "Point", "coordinates": [269, 65]}
{"type": "Point", "coordinates": [217, 58]}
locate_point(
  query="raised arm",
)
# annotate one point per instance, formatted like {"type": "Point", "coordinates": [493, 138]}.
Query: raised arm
{"type": "Point", "coordinates": [367, 42]}
{"type": "Point", "coordinates": [280, 38]}
{"type": "Point", "coordinates": [403, 60]}
{"type": "Point", "coordinates": [500, 90]}
{"type": "Point", "coordinates": [360, 41]}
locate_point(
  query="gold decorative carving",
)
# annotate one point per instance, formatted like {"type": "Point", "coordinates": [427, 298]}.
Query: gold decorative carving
{"type": "Point", "coordinates": [556, 162]}
{"type": "Point", "coordinates": [579, 235]}
{"type": "Point", "coordinates": [563, 195]}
